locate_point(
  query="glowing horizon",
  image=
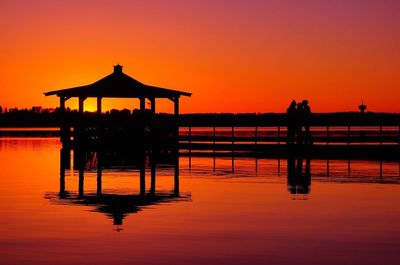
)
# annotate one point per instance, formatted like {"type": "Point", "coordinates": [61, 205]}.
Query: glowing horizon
{"type": "Point", "coordinates": [245, 56]}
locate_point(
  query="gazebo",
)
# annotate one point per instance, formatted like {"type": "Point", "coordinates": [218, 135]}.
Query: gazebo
{"type": "Point", "coordinates": [118, 85]}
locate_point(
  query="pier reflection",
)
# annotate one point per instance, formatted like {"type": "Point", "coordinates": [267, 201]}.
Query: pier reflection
{"type": "Point", "coordinates": [117, 206]}
{"type": "Point", "coordinates": [298, 169]}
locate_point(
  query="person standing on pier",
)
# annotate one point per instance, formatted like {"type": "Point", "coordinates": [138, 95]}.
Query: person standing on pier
{"type": "Point", "coordinates": [306, 110]}
{"type": "Point", "coordinates": [299, 123]}
{"type": "Point", "coordinates": [291, 122]}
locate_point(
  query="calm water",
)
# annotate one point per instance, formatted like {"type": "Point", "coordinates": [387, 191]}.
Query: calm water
{"type": "Point", "coordinates": [229, 212]}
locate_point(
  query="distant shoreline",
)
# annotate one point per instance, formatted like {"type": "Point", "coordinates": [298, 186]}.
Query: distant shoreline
{"type": "Point", "coordinates": [55, 119]}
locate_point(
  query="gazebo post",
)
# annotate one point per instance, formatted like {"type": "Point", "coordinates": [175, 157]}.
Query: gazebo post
{"type": "Point", "coordinates": [64, 128]}
{"type": "Point", "coordinates": [62, 103]}
{"type": "Point", "coordinates": [99, 105]}
{"type": "Point", "coordinates": [153, 105]}
{"type": "Point", "coordinates": [81, 100]}
{"type": "Point", "coordinates": [176, 106]}
{"type": "Point", "coordinates": [176, 145]}
{"type": "Point", "coordinates": [142, 176]}
{"type": "Point", "coordinates": [142, 104]}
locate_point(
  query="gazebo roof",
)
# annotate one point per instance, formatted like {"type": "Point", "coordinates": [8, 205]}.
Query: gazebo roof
{"type": "Point", "coordinates": [118, 85]}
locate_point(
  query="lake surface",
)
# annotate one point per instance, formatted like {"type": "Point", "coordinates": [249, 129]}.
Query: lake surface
{"type": "Point", "coordinates": [241, 211]}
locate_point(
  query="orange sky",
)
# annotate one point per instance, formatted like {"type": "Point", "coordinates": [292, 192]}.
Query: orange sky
{"type": "Point", "coordinates": [234, 56]}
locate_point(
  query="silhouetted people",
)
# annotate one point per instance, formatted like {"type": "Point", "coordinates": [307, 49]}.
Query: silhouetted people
{"type": "Point", "coordinates": [306, 122]}
{"type": "Point", "coordinates": [298, 116]}
{"type": "Point", "coordinates": [291, 123]}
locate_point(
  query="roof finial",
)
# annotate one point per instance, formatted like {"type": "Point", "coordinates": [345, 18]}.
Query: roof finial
{"type": "Point", "coordinates": [118, 68]}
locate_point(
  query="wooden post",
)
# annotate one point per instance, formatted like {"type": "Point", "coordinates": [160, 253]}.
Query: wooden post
{"type": "Point", "coordinates": [214, 148]}
{"type": "Point", "coordinates": [64, 129]}
{"type": "Point", "coordinates": [99, 174]}
{"type": "Point", "coordinates": [327, 135]}
{"type": "Point", "coordinates": [176, 106]}
{"type": "Point", "coordinates": [153, 178]}
{"type": "Point", "coordinates": [190, 141]}
{"type": "Point", "coordinates": [233, 149]}
{"type": "Point", "coordinates": [233, 136]}
{"type": "Point", "coordinates": [153, 105]}
{"type": "Point", "coordinates": [380, 134]}
{"type": "Point", "coordinates": [190, 147]}
{"type": "Point", "coordinates": [142, 104]}
{"type": "Point", "coordinates": [348, 134]}
{"type": "Point", "coordinates": [142, 179]}
{"type": "Point", "coordinates": [62, 103]}
{"type": "Point", "coordinates": [279, 135]}
{"type": "Point", "coordinates": [214, 140]}
{"type": "Point", "coordinates": [65, 134]}
{"type": "Point", "coordinates": [81, 180]}
{"type": "Point", "coordinates": [81, 101]}
{"type": "Point", "coordinates": [256, 135]}
{"type": "Point", "coordinates": [176, 121]}
{"type": "Point", "coordinates": [99, 105]}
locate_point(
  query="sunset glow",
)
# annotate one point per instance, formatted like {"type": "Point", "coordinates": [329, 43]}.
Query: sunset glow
{"type": "Point", "coordinates": [234, 56]}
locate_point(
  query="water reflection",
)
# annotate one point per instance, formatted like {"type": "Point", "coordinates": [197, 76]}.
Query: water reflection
{"type": "Point", "coordinates": [245, 217]}
{"type": "Point", "coordinates": [299, 169]}
{"type": "Point", "coordinates": [298, 177]}
{"type": "Point", "coordinates": [117, 206]}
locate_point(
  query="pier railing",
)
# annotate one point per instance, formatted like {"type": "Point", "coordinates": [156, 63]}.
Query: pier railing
{"type": "Point", "coordinates": [363, 142]}
{"type": "Point", "coordinates": [321, 135]}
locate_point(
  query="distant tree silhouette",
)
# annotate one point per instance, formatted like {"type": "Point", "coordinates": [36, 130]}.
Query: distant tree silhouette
{"type": "Point", "coordinates": [37, 109]}
{"type": "Point", "coordinates": [37, 116]}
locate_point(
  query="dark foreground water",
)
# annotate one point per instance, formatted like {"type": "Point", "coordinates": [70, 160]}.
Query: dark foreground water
{"type": "Point", "coordinates": [240, 212]}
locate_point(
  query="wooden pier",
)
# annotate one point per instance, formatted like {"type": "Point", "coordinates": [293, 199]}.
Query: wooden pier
{"type": "Point", "coordinates": [366, 141]}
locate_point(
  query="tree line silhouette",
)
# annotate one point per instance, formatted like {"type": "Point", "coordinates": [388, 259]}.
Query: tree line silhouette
{"type": "Point", "coordinates": [38, 116]}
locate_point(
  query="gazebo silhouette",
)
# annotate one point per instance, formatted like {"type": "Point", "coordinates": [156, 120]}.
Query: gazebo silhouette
{"type": "Point", "coordinates": [101, 131]}
{"type": "Point", "coordinates": [118, 85]}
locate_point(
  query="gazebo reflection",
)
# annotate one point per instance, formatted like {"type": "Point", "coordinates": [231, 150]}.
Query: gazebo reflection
{"type": "Point", "coordinates": [118, 206]}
